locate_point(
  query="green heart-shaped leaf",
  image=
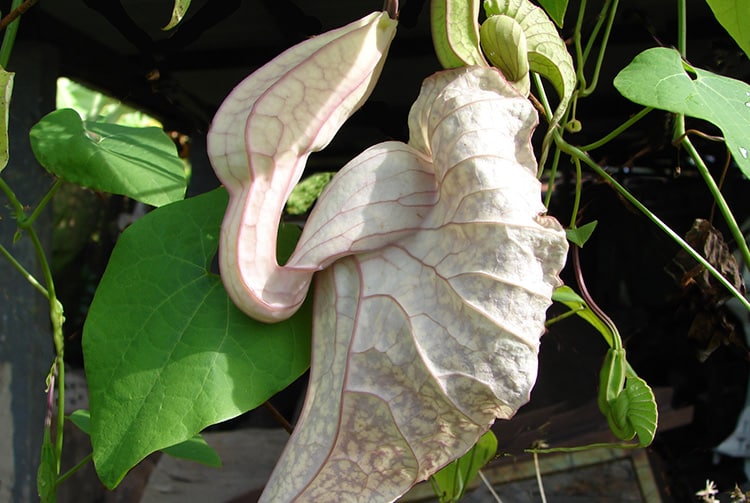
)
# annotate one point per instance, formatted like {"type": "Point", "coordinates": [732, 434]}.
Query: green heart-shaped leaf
{"type": "Point", "coordinates": [166, 351]}
{"type": "Point", "coordinates": [734, 16]}
{"type": "Point", "coordinates": [140, 163]}
{"type": "Point", "coordinates": [659, 78]}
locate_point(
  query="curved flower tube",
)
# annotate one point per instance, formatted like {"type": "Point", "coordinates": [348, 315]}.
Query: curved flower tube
{"type": "Point", "coordinates": [436, 267]}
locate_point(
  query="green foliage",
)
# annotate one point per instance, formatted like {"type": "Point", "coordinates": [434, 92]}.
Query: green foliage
{"type": "Point", "coordinates": [555, 9]}
{"type": "Point", "coordinates": [579, 235]}
{"type": "Point", "coordinates": [547, 53]}
{"type": "Point", "coordinates": [455, 32]}
{"type": "Point", "coordinates": [734, 16]}
{"type": "Point", "coordinates": [305, 193]}
{"type": "Point", "coordinates": [46, 478]}
{"type": "Point", "coordinates": [659, 78]}
{"type": "Point", "coordinates": [166, 351]}
{"type": "Point", "coordinates": [6, 88]}
{"type": "Point", "coordinates": [194, 449]}
{"type": "Point", "coordinates": [451, 482]}
{"type": "Point", "coordinates": [141, 163]}
{"type": "Point", "coordinates": [178, 12]}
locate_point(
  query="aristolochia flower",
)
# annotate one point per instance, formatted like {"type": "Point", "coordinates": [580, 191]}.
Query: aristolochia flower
{"type": "Point", "coordinates": [435, 266]}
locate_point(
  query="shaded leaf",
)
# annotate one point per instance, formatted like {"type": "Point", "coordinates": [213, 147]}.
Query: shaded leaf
{"type": "Point", "coordinates": [659, 78]}
{"type": "Point", "coordinates": [166, 351]}
{"type": "Point", "coordinates": [194, 449]}
{"type": "Point", "coordinates": [426, 331]}
{"type": "Point", "coordinates": [178, 12]}
{"type": "Point", "coordinates": [46, 477]}
{"type": "Point", "coordinates": [305, 193]}
{"type": "Point", "coordinates": [734, 16]}
{"type": "Point", "coordinates": [451, 482]}
{"type": "Point", "coordinates": [455, 32]}
{"type": "Point", "coordinates": [140, 163]}
{"type": "Point", "coordinates": [555, 9]}
{"type": "Point", "coordinates": [6, 90]}
{"type": "Point", "coordinates": [566, 295]}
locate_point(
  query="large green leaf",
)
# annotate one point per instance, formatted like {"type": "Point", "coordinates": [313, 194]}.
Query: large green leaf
{"type": "Point", "coordinates": [193, 449]}
{"type": "Point", "coordinates": [141, 163]}
{"type": "Point", "coordinates": [166, 351]}
{"type": "Point", "coordinates": [659, 78]}
{"type": "Point", "coordinates": [734, 16]}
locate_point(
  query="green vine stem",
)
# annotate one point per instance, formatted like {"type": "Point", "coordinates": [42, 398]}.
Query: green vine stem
{"type": "Point", "coordinates": [681, 136]}
{"type": "Point", "coordinates": [20, 268]}
{"type": "Point", "coordinates": [714, 189]}
{"type": "Point", "coordinates": [55, 307]}
{"type": "Point", "coordinates": [577, 153]}
{"type": "Point", "coordinates": [617, 131]}
{"type": "Point", "coordinates": [577, 197]}
{"type": "Point", "coordinates": [10, 36]}
{"type": "Point", "coordinates": [65, 476]}
{"type": "Point", "coordinates": [602, 49]}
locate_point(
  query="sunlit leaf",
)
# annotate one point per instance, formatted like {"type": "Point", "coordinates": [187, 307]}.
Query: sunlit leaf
{"type": "Point", "coordinates": [451, 482]}
{"type": "Point", "coordinates": [659, 78]}
{"type": "Point", "coordinates": [455, 32]}
{"type": "Point", "coordinates": [734, 16]}
{"type": "Point", "coordinates": [579, 235]}
{"type": "Point", "coordinates": [166, 351]}
{"type": "Point", "coordinates": [6, 90]}
{"type": "Point", "coordinates": [140, 163]}
{"type": "Point", "coordinates": [178, 12]}
{"type": "Point", "coordinates": [547, 53]}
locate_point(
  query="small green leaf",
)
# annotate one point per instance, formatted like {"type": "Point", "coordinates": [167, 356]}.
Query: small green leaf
{"type": "Point", "coordinates": [579, 235]}
{"type": "Point", "coordinates": [504, 43]}
{"type": "Point", "coordinates": [555, 9]}
{"type": "Point", "coordinates": [455, 32]}
{"type": "Point", "coordinates": [611, 379]}
{"type": "Point", "coordinates": [194, 449]}
{"type": "Point", "coordinates": [306, 192]}
{"type": "Point", "coordinates": [643, 413]}
{"type": "Point", "coordinates": [6, 90]}
{"type": "Point", "coordinates": [565, 295]}
{"type": "Point", "coordinates": [547, 53]}
{"type": "Point", "coordinates": [166, 352]}
{"type": "Point", "coordinates": [659, 78]}
{"type": "Point", "coordinates": [82, 419]}
{"type": "Point", "coordinates": [451, 482]}
{"type": "Point", "coordinates": [734, 16]}
{"type": "Point", "coordinates": [141, 163]}
{"type": "Point", "coordinates": [46, 476]}
{"type": "Point", "coordinates": [178, 12]}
